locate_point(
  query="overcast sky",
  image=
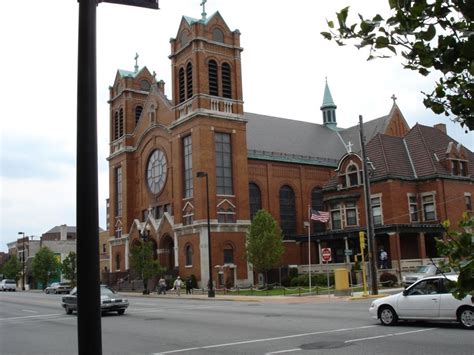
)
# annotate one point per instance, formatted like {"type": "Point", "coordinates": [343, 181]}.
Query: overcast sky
{"type": "Point", "coordinates": [284, 65]}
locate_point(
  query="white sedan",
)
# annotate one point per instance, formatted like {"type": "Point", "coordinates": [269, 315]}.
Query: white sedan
{"type": "Point", "coordinates": [427, 299]}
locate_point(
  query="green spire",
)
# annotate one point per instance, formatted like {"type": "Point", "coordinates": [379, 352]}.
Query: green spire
{"type": "Point", "coordinates": [327, 99]}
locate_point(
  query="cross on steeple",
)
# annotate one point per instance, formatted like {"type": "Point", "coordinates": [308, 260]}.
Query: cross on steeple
{"type": "Point", "coordinates": [349, 147]}
{"type": "Point", "coordinates": [394, 98]}
{"type": "Point", "coordinates": [203, 14]}
{"type": "Point", "coordinates": [136, 62]}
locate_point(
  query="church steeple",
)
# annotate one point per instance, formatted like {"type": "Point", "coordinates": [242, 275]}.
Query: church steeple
{"type": "Point", "coordinates": [329, 108]}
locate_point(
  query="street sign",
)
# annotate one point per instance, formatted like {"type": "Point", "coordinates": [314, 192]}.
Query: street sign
{"type": "Point", "coordinates": [348, 252]}
{"type": "Point", "coordinates": [326, 254]}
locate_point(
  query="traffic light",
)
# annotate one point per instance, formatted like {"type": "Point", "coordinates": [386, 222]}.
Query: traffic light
{"type": "Point", "coordinates": [362, 241]}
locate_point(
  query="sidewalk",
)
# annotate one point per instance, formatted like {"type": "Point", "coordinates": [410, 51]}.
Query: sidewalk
{"type": "Point", "coordinates": [306, 298]}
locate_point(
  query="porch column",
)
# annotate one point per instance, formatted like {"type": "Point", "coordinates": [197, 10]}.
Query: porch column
{"type": "Point", "coordinates": [395, 252]}
{"type": "Point", "coordinates": [319, 252]}
{"type": "Point", "coordinates": [421, 245]}
{"type": "Point", "coordinates": [346, 246]}
{"type": "Point", "coordinates": [126, 253]}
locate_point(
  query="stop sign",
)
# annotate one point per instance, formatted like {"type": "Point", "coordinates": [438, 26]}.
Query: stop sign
{"type": "Point", "coordinates": [326, 254]}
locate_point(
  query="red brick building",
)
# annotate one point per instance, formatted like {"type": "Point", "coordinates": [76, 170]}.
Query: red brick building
{"type": "Point", "coordinates": [158, 145]}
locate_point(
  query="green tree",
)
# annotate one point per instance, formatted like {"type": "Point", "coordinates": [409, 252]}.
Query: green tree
{"type": "Point", "coordinates": [435, 35]}
{"type": "Point", "coordinates": [264, 245]}
{"type": "Point", "coordinates": [458, 248]}
{"type": "Point", "coordinates": [69, 268]}
{"type": "Point", "coordinates": [45, 266]}
{"type": "Point", "coordinates": [142, 261]}
{"type": "Point", "coordinates": [12, 269]}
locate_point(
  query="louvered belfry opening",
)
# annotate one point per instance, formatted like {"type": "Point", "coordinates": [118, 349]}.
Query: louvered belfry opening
{"type": "Point", "coordinates": [189, 80]}
{"type": "Point", "coordinates": [213, 86]}
{"type": "Point", "coordinates": [116, 125]}
{"type": "Point", "coordinates": [121, 123]}
{"type": "Point", "coordinates": [138, 113]}
{"type": "Point", "coordinates": [181, 86]}
{"type": "Point", "coordinates": [226, 81]}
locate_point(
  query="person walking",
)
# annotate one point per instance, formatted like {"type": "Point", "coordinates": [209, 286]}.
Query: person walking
{"type": "Point", "coordinates": [383, 258]}
{"type": "Point", "coordinates": [177, 285]}
{"type": "Point", "coordinates": [161, 286]}
{"type": "Point", "coordinates": [189, 286]}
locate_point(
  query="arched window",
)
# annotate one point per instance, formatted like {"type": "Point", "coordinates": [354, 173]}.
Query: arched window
{"type": "Point", "coordinates": [181, 85]}
{"type": "Point", "coordinates": [287, 211]}
{"type": "Point", "coordinates": [217, 35]}
{"type": "Point", "coordinates": [228, 254]}
{"type": "Point", "coordinates": [352, 175]}
{"type": "Point", "coordinates": [189, 255]}
{"type": "Point", "coordinates": [317, 204]}
{"type": "Point", "coordinates": [138, 113]}
{"type": "Point", "coordinates": [189, 80]}
{"type": "Point", "coordinates": [226, 81]}
{"type": "Point", "coordinates": [213, 86]}
{"type": "Point", "coordinates": [116, 125]}
{"type": "Point", "coordinates": [121, 123]}
{"type": "Point", "coordinates": [255, 199]}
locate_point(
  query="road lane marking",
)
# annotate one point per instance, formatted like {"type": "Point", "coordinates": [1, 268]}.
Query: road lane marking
{"type": "Point", "coordinates": [284, 351]}
{"type": "Point", "coordinates": [265, 339]}
{"type": "Point", "coordinates": [27, 310]}
{"type": "Point", "coordinates": [31, 317]}
{"type": "Point", "coordinates": [389, 335]}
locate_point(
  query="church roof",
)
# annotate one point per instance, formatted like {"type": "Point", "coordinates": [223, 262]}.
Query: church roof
{"type": "Point", "coordinates": [192, 20]}
{"type": "Point", "coordinates": [275, 138]}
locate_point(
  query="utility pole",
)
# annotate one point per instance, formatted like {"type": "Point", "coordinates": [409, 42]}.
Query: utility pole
{"type": "Point", "coordinates": [368, 213]}
{"type": "Point", "coordinates": [89, 330]}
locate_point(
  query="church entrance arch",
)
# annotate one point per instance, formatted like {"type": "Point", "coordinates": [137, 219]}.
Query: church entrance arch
{"type": "Point", "coordinates": [166, 253]}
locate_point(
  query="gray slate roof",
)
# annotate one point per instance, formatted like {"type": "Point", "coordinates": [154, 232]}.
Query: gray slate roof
{"type": "Point", "coordinates": [276, 138]}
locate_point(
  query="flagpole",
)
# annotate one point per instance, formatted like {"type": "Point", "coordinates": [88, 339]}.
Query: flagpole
{"type": "Point", "coordinates": [309, 247]}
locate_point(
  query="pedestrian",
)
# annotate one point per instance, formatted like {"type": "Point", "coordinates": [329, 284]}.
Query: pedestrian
{"type": "Point", "coordinates": [162, 286]}
{"type": "Point", "coordinates": [177, 285]}
{"type": "Point", "coordinates": [383, 258]}
{"type": "Point", "coordinates": [189, 286]}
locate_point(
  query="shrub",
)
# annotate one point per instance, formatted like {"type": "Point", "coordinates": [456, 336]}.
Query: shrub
{"type": "Point", "coordinates": [387, 279]}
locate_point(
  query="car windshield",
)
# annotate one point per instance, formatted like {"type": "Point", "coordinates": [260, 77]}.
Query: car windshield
{"type": "Point", "coordinates": [106, 291]}
{"type": "Point", "coordinates": [423, 269]}
{"type": "Point", "coordinates": [10, 281]}
{"type": "Point", "coordinates": [64, 283]}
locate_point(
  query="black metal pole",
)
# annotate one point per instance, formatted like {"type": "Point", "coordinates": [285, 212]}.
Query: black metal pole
{"type": "Point", "coordinates": [23, 261]}
{"type": "Point", "coordinates": [88, 280]}
{"type": "Point", "coordinates": [368, 210]}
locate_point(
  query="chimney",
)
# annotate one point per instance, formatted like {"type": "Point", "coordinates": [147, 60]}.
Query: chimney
{"type": "Point", "coordinates": [63, 232]}
{"type": "Point", "coordinates": [441, 127]}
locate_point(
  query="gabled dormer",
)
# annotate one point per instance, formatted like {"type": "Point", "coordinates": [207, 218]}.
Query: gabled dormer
{"type": "Point", "coordinates": [456, 160]}
{"type": "Point", "coordinates": [396, 123]}
{"type": "Point", "coordinates": [350, 171]}
{"type": "Point", "coordinates": [206, 67]}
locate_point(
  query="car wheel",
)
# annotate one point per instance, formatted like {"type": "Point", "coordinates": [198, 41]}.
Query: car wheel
{"type": "Point", "coordinates": [121, 311]}
{"type": "Point", "coordinates": [466, 317]}
{"type": "Point", "coordinates": [388, 316]}
{"type": "Point", "coordinates": [47, 292]}
{"type": "Point", "coordinates": [68, 310]}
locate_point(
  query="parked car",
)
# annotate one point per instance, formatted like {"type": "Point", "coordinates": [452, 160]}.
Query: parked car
{"type": "Point", "coordinates": [424, 271]}
{"type": "Point", "coordinates": [8, 285]}
{"type": "Point", "coordinates": [110, 301]}
{"type": "Point", "coordinates": [58, 287]}
{"type": "Point", "coordinates": [427, 299]}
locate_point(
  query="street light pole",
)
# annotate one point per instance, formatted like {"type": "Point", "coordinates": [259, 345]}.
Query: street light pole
{"type": "Point", "coordinates": [145, 237]}
{"type": "Point", "coordinates": [210, 290]}
{"type": "Point", "coordinates": [23, 265]}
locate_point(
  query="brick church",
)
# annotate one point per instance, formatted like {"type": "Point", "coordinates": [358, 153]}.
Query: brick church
{"type": "Point", "coordinates": [167, 156]}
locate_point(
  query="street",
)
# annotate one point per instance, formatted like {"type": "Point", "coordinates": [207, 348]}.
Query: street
{"type": "Point", "coordinates": [33, 322]}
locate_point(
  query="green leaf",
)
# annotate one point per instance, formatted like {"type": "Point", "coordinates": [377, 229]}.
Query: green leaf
{"type": "Point", "coordinates": [429, 34]}
{"type": "Point", "coordinates": [330, 24]}
{"type": "Point", "coordinates": [381, 42]}
{"type": "Point", "coordinates": [342, 16]}
{"type": "Point", "coordinates": [326, 35]}
{"type": "Point", "coordinates": [437, 108]}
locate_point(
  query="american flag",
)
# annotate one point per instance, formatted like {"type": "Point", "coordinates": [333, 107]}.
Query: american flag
{"type": "Point", "coordinates": [320, 216]}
